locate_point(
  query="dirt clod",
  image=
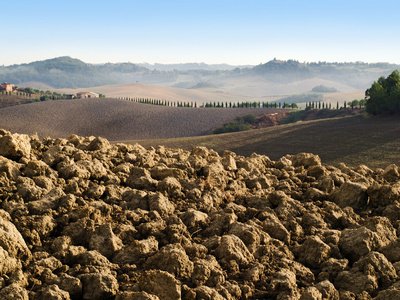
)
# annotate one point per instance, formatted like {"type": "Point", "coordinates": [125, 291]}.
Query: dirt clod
{"type": "Point", "coordinates": [82, 218]}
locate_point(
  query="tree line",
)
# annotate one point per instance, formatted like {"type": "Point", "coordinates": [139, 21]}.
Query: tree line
{"type": "Point", "coordinates": [36, 94]}
{"type": "Point", "coordinates": [215, 104]}
{"type": "Point", "coordinates": [161, 102]}
{"type": "Point", "coordinates": [355, 104]}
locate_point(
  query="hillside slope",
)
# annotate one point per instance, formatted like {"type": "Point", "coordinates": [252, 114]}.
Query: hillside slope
{"type": "Point", "coordinates": [115, 119]}
{"type": "Point", "coordinates": [234, 91]}
{"type": "Point", "coordinates": [141, 90]}
{"type": "Point", "coordinates": [354, 140]}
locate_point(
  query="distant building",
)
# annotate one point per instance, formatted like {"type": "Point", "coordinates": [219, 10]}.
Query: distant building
{"type": "Point", "coordinates": [87, 95]}
{"type": "Point", "coordinates": [8, 87]}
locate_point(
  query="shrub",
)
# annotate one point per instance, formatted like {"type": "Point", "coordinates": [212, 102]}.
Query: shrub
{"type": "Point", "coordinates": [231, 127]}
{"type": "Point", "coordinates": [240, 124]}
{"type": "Point", "coordinates": [249, 119]}
{"type": "Point", "coordinates": [295, 116]}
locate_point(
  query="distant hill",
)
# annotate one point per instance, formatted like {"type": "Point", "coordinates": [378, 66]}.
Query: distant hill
{"type": "Point", "coordinates": [358, 74]}
{"type": "Point", "coordinates": [191, 66]}
{"type": "Point", "coordinates": [67, 72]}
{"type": "Point", "coordinates": [275, 77]}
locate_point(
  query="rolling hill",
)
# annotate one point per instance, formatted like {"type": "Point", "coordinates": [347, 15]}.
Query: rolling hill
{"type": "Point", "coordinates": [275, 77]}
{"type": "Point", "coordinates": [354, 140]}
{"type": "Point", "coordinates": [115, 119]}
{"type": "Point", "coordinates": [141, 90]}
{"type": "Point", "coordinates": [210, 94]}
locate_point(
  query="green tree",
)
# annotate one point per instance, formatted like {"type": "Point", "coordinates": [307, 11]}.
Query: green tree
{"type": "Point", "coordinates": [250, 119]}
{"type": "Point", "coordinates": [355, 103]}
{"type": "Point", "coordinates": [383, 97]}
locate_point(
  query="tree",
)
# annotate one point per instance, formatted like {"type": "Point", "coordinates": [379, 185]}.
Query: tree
{"type": "Point", "coordinates": [355, 103]}
{"type": "Point", "coordinates": [383, 97]}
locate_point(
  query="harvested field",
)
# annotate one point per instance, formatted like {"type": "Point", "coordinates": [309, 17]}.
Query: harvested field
{"type": "Point", "coordinates": [12, 100]}
{"type": "Point", "coordinates": [81, 218]}
{"type": "Point", "coordinates": [141, 90]}
{"type": "Point", "coordinates": [116, 119]}
{"type": "Point", "coordinates": [354, 140]}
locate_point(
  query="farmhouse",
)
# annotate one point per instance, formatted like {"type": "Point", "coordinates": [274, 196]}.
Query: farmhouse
{"type": "Point", "coordinates": [87, 95]}
{"type": "Point", "coordinates": [8, 87]}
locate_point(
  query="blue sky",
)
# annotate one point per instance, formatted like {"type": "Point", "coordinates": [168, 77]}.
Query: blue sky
{"type": "Point", "coordinates": [220, 31]}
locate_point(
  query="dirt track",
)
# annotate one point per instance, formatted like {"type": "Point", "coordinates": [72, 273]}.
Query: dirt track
{"type": "Point", "coordinates": [115, 119]}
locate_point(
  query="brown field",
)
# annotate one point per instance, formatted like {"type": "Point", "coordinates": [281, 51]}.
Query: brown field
{"type": "Point", "coordinates": [115, 119]}
{"type": "Point", "coordinates": [238, 91]}
{"type": "Point", "coordinates": [341, 97]}
{"type": "Point", "coordinates": [354, 140]}
{"type": "Point", "coordinates": [373, 141]}
{"type": "Point", "coordinates": [12, 100]}
{"type": "Point", "coordinates": [140, 90]}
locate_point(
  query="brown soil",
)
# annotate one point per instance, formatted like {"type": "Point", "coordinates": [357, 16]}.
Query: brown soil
{"type": "Point", "coordinates": [81, 218]}
{"type": "Point", "coordinates": [116, 119]}
{"type": "Point", "coordinates": [12, 100]}
{"type": "Point", "coordinates": [270, 119]}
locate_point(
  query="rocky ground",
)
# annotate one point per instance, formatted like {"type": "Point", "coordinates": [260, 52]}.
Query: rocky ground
{"type": "Point", "coordinates": [83, 219]}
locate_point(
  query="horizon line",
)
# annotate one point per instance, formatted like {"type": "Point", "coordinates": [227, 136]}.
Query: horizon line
{"type": "Point", "coordinates": [205, 63]}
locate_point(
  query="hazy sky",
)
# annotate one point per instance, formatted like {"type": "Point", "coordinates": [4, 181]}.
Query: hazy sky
{"type": "Point", "coordinates": [211, 31]}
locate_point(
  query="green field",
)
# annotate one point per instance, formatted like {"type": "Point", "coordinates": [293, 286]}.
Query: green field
{"type": "Point", "coordinates": [354, 140]}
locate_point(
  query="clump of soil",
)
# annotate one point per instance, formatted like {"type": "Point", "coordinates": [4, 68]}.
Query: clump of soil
{"type": "Point", "coordinates": [270, 119]}
{"type": "Point", "coordinates": [81, 218]}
